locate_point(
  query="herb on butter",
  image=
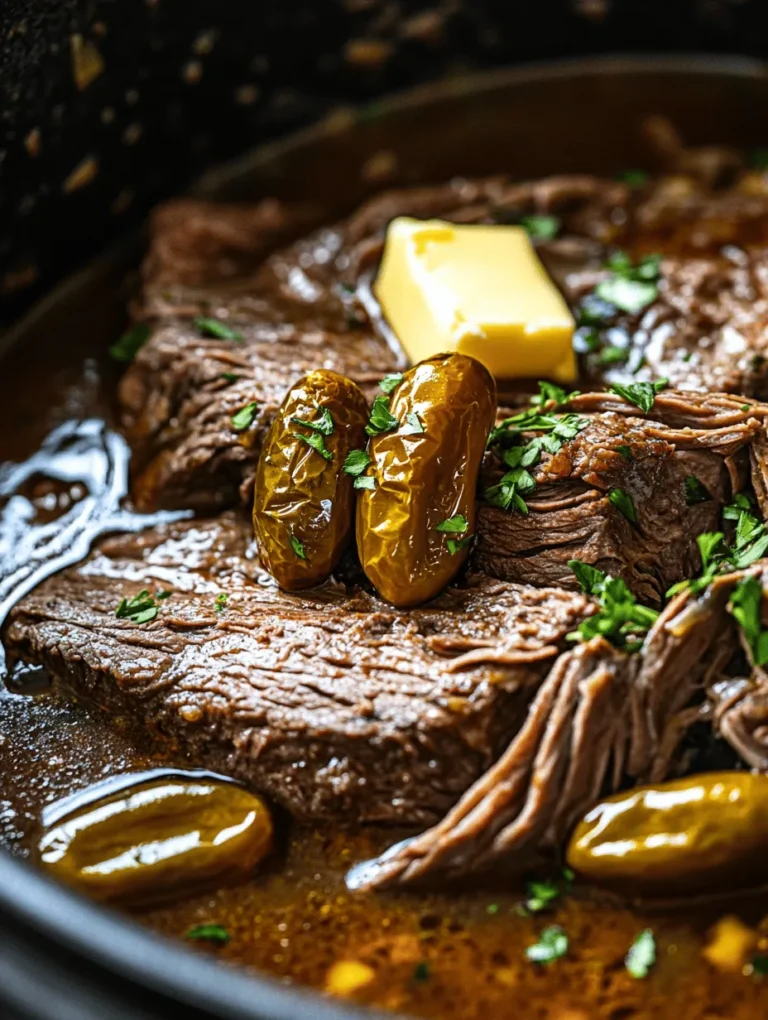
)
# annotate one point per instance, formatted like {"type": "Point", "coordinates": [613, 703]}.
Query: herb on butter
{"type": "Point", "coordinates": [381, 418]}
{"type": "Point", "coordinates": [298, 547]}
{"type": "Point", "coordinates": [130, 343]}
{"type": "Point", "coordinates": [139, 609]}
{"type": "Point", "coordinates": [209, 933]}
{"type": "Point", "coordinates": [552, 944]}
{"type": "Point", "coordinates": [642, 394]}
{"type": "Point", "coordinates": [217, 330]}
{"type": "Point", "coordinates": [245, 417]}
{"type": "Point", "coordinates": [642, 955]}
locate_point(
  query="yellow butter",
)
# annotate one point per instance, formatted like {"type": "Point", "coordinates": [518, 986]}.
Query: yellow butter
{"type": "Point", "coordinates": [479, 290]}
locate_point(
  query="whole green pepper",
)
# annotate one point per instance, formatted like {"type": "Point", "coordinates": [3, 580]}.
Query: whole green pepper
{"type": "Point", "coordinates": [160, 839]}
{"type": "Point", "coordinates": [701, 833]}
{"type": "Point", "coordinates": [303, 501]}
{"type": "Point", "coordinates": [415, 526]}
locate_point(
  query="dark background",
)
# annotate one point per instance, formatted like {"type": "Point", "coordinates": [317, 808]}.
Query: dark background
{"type": "Point", "coordinates": [108, 105]}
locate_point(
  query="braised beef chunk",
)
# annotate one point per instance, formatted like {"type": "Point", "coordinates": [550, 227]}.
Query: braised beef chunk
{"type": "Point", "coordinates": [599, 716]}
{"type": "Point", "coordinates": [332, 703]}
{"type": "Point", "coordinates": [626, 494]}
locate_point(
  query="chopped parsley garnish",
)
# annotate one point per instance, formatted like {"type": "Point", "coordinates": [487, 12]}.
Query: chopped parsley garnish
{"type": "Point", "coordinates": [750, 543]}
{"type": "Point", "coordinates": [591, 580]}
{"type": "Point", "coordinates": [558, 429]}
{"type": "Point", "coordinates": [621, 620]}
{"type": "Point", "coordinates": [625, 452]}
{"type": "Point", "coordinates": [634, 178]}
{"type": "Point", "coordinates": [630, 288]}
{"type": "Point", "coordinates": [209, 933]}
{"type": "Point", "coordinates": [356, 462]}
{"type": "Point", "coordinates": [540, 228]}
{"type": "Point", "coordinates": [593, 311]}
{"type": "Point", "coordinates": [421, 972]}
{"type": "Point", "coordinates": [640, 394]}
{"type": "Point", "coordinates": [741, 501]}
{"type": "Point", "coordinates": [228, 376]}
{"type": "Point", "coordinates": [549, 391]}
{"type": "Point", "coordinates": [492, 908]}
{"type": "Point", "coordinates": [745, 407]}
{"type": "Point", "coordinates": [364, 482]}
{"type": "Point", "coordinates": [746, 606]}
{"type": "Point", "coordinates": [381, 419]}
{"type": "Point", "coordinates": [453, 545]}
{"type": "Point", "coordinates": [316, 441]}
{"type": "Point", "coordinates": [455, 525]}
{"type": "Point", "coordinates": [624, 504]}
{"type": "Point", "coordinates": [612, 355]}
{"type": "Point", "coordinates": [758, 159]}
{"type": "Point", "coordinates": [217, 330]}
{"type": "Point", "coordinates": [245, 417]}
{"type": "Point", "coordinates": [390, 382]}
{"type": "Point", "coordinates": [161, 595]}
{"type": "Point", "coordinates": [323, 424]}
{"type": "Point", "coordinates": [140, 608]}
{"type": "Point", "coordinates": [130, 343]}
{"type": "Point", "coordinates": [298, 547]}
{"type": "Point", "coordinates": [695, 491]}
{"type": "Point", "coordinates": [221, 602]}
{"type": "Point", "coordinates": [642, 955]}
{"type": "Point", "coordinates": [759, 965]}
{"type": "Point", "coordinates": [540, 896]}
{"type": "Point", "coordinates": [413, 425]}
{"type": "Point", "coordinates": [552, 944]}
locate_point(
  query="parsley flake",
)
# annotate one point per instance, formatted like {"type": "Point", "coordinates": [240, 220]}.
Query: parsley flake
{"type": "Point", "coordinates": [640, 394]}
{"type": "Point", "coordinates": [552, 944]}
{"type": "Point", "coordinates": [356, 462]}
{"type": "Point", "coordinates": [228, 377]}
{"type": "Point", "coordinates": [695, 491]}
{"type": "Point", "coordinates": [625, 451]}
{"type": "Point", "coordinates": [221, 602]}
{"type": "Point", "coordinates": [621, 619]}
{"type": "Point", "coordinates": [540, 896]}
{"type": "Point", "coordinates": [139, 609]}
{"type": "Point", "coordinates": [624, 504]}
{"type": "Point", "coordinates": [364, 482]}
{"type": "Point", "coordinates": [245, 417]}
{"type": "Point", "coordinates": [746, 606]}
{"type": "Point", "coordinates": [130, 343]}
{"type": "Point", "coordinates": [540, 228]}
{"type": "Point", "coordinates": [390, 382]}
{"type": "Point", "coordinates": [421, 972]}
{"type": "Point", "coordinates": [316, 441]}
{"type": "Point", "coordinates": [323, 424]}
{"type": "Point", "coordinates": [381, 419]}
{"type": "Point", "coordinates": [642, 955]}
{"type": "Point", "coordinates": [455, 525]}
{"type": "Point", "coordinates": [298, 547]}
{"type": "Point", "coordinates": [217, 330]}
{"type": "Point", "coordinates": [161, 595]}
{"type": "Point", "coordinates": [633, 178]}
{"type": "Point", "coordinates": [760, 965]}
{"type": "Point", "coordinates": [413, 425]}
{"type": "Point", "coordinates": [209, 933]}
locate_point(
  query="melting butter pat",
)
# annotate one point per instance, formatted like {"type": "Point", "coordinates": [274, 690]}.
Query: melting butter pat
{"type": "Point", "coordinates": [479, 290]}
